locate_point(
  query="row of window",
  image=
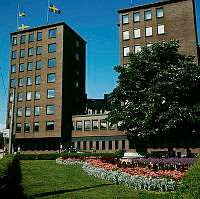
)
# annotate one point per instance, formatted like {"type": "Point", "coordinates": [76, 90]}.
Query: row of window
{"type": "Point", "coordinates": [51, 49]}
{"type": "Point", "coordinates": [147, 15]}
{"type": "Point", "coordinates": [36, 127]}
{"type": "Point", "coordinates": [88, 125]}
{"type": "Point", "coordinates": [50, 110]}
{"type": "Point", "coordinates": [148, 32]}
{"type": "Point", "coordinates": [51, 78]}
{"type": "Point", "coordinates": [52, 34]}
{"type": "Point", "coordinates": [100, 145]}
{"type": "Point", "coordinates": [38, 65]}
{"type": "Point", "coordinates": [50, 94]}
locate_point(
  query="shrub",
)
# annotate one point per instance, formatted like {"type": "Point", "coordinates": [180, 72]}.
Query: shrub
{"type": "Point", "coordinates": [190, 187]}
{"type": "Point", "coordinates": [51, 156]}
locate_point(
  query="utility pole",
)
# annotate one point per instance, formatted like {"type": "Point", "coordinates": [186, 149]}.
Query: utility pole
{"type": "Point", "coordinates": [11, 124]}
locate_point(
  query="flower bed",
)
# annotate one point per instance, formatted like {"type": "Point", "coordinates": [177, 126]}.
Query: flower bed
{"type": "Point", "coordinates": [137, 177]}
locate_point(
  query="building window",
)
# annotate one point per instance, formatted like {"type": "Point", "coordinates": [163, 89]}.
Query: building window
{"type": "Point", "coordinates": [27, 127]}
{"type": "Point", "coordinates": [77, 43]}
{"type": "Point", "coordinates": [14, 41]}
{"type": "Point", "coordinates": [28, 96]}
{"type": "Point", "coordinates": [52, 33]}
{"type": "Point", "coordinates": [51, 48]}
{"type": "Point", "coordinates": [79, 126]}
{"type": "Point", "coordinates": [110, 145]}
{"type": "Point", "coordinates": [111, 126]}
{"type": "Point", "coordinates": [36, 110]}
{"type": "Point", "coordinates": [149, 44]}
{"type": "Point", "coordinates": [126, 51]}
{"type": "Point", "coordinates": [21, 82]}
{"type": "Point", "coordinates": [95, 124]}
{"type": "Point", "coordinates": [77, 84]}
{"type": "Point", "coordinates": [31, 37]}
{"type": "Point", "coordinates": [78, 144]}
{"type": "Point", "coordinates": [137, 48]}
{"type": "Point", "coordinates": [50, 93]}
{"type": "Point", "coordinates": [29, 81]}
{"type": "Point", "coordinates": [97, 145]}
{"type": "Point", "coordinates": [19, 112]}
{"type": "Point", "coordinates": [23, 39]}
{"type": "Point", "coordinates": [28, 112]}
{"type": "Point", "coordinates": [37, 95]}
{"type": "Point", "coordinates": [50, 126]}
{"type": "Point", "coordinates": [102, 124]}
{"type": "Point", "coordinates": [103, 145]}
{"type": "Point", "coordinates": [30, 66]}
{"type": "Point", "coordinates": [13, 69]}
{"type": "Point", "coordinates": [52, 62]}
{"type": "Point", "coordinates": [77, 57]}
{"type": "Point", "coordinates": [136, 17]}
{"type": "Point", "coordinates": [38, 65]}
{"type": "Point", "coordinates": [21, 67]}
{"type": "Point", "coordinates": [30, 52]}
{"type": "Point", "coordinates": [39, 50]}
{"type": "Point", "coordinates": [161, 29]}
{"type": "Point", "coordinates": [50, 109]}
{"type": "Point", "coordinates": [20, 97]}
{"type": "Point", "coordinates": [18, 127]}
{"type": "Point", "coordinates": [12, 83]}
{"type": "Point", "coordinates": [91, 145]}
{"type": "Point", "coordinates": [36, 126]}
{"type": "Point", "coordinates": [84, 145]}
{"type": "Point", "coordinates": [51, 78]}
{"type": "Point", "coordinates": [11, 97]}
{"type": "Point", "coordinates": [123, 144]}
{"type": "Point", "coordinates": [124, 19]}
{"type": "Point", "coordinates": [126, 35]}
{"type": "Point", "coordinates": [14, 54]}
{"type": "Point", "coordinates": [87, 125]}
{"type": "Point", "coordinates": [10, 113]}
{"type": "Point", "coordinates": [37, 80]}
{"type": "Point", "coordinates": [159, 12]}
{"type": "Point", "coordinates": [148, 31]}
{"type": "Point", "coordinates": [147, 15]}
{"type": "Point", "coordinates": [116, 144]}
{"type": "Point", "coordinates": [39, 36]}
{"type": "Point", "coordinates": [22, 53]}
{"type": "Point", "coordinates": [136, 33]}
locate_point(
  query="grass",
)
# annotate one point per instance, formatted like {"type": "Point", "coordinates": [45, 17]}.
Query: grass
{"type": "Point", "coordinates": [45, 179]}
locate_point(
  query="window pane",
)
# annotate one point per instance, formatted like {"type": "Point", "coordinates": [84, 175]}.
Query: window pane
{"type": "Point", "coordinates": [27, 111]}
{"type": "Point", "coordinates": [37, 95]}
{"type": "Point", "coordinates": [77, 57]}
{"type": "Point", "coordinates": [50, 110]}
{"type": "Point", "coordinates": [87, 125]}
{"type": "Point", "coordinates": [148, 31]}
{"type": "Point", "coordinates": [20, 82]}
{"type": "Point", "coordinates": [18, 127]}
{"type": "Point", "coordinates": [12, 83]}
{"type": "Point", "coordinates": [161, 29]}
{"type": "Point", "coordinates": [123, 144]}
{"type": "Point", "coordinates": [79, 125]}
{"type": "Point", "coordinates": [28, 96]}
{"type": "Point", "coordinates": [21, 67]}
{"type": "Point", "coordinates": [52, 33]}
{"type": "Point", "coordinates": [77, 43]}
{"type": "Point", "coordinates": [147, 15]}
{"type": "Point", "coordinates": [39, 50]}
{"type": "Point", "coordinates": [102, 124]}
{"type": "Point", "coordinates": [126, 35]}
{"type": "Point", "coordinates": [95, 124]}
{"type": "Point", "coordinates": [19, 112]}
{"type": "Point", "coordinates": [37, 110]}
{"type": "Point", "coordinates": [50, 94]}
{"type": "Point", "coordinates": [37, 80]}
{"type": "Point", "coordinates": [38, 65]}
{"type": "Point", "coordinates": [14, 40]}
{"type": "Point", "coordinates": [30, 66]}
{"type": "Point", "coordinates": [103, 145]}
{"type": "Point", "coordinates": [11, 97]}
{"type": "Point", "coordinates": [137, 48]}
{"type": "Point", "coordinates": [30, 51]}
{"type": "Point", "coordinates": [52, 48]}
{"type": "Point", "coordinates": [97, 145]}
{"type": "Point", "coordinates": [51, 78]}
{"type": "Point", "coordinates": [136, 17]}
{"type": "Point", "coordinates": [14, 54]}
{"type": "Point", "coordinates": [110, 145]}
{"type": "Point", "coordinates": [159, 12]}
{"type": "Point", "coordinates": [31, 37]}
{"type": "Point", "coordinates": [50, 125]}
{"type": "Point", "coordinates": [52, 62]}
{"type": "Point", "coordinates": [111, 126]}
{"type": "Point", "coordinates": [125, 19]}
{"type": "Point", "coordinates": [22, 53]}
{"type": "Point", "coordinates": [26, 127]}
{"type": "Point", "coordinates": [20, 97]}
{"type": "Point", "coordinates": [36, 127]}
{"type": "Point", "coordinates": [13, 69]}
{"type": "Point", "coordinates": [116, 144]}
{"type": "Point", "coordinates": [126, 51]}
{"type": "Point", "coordinates": [23, 39]}
{"type": "Point", "coordinates": [137, 33]}
{"type": "Point", "coordinates": [29, 81]}
{"type": "Point", "coordinates": [39, 36]}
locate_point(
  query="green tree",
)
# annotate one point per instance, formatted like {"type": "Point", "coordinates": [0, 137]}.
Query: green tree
{"type": "Point", "coordinates": [158, 94]}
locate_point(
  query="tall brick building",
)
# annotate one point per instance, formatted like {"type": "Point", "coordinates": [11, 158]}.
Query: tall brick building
{"type": "Point", "coordinates": [48, 74]}
{"type": "Point", "coordinates": [161, 21]}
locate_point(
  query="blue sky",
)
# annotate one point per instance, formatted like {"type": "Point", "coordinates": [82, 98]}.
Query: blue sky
{"type": "Point", "coordinates": [94, 20]}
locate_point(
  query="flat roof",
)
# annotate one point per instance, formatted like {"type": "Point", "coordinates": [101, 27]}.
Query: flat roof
{"type": "Point", "coordinates": [47, 26]}
{"type": "Point", "coordinates": [143, 6]}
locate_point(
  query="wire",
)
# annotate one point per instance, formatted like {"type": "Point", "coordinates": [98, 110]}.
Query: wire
{"type": "Point", "coordinates": [3, 84]}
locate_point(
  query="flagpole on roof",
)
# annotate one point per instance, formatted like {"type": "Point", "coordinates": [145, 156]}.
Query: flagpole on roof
{"type": "Point", "coordinates": [48, 12]}
{"type": "Point", "coordinates": [18, 15]}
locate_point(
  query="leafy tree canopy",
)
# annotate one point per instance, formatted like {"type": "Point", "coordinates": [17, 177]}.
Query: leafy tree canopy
{"type": "Point", "coordinates": [157, 93]}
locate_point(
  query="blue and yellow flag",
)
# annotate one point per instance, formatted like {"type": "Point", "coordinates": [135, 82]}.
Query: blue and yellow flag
{"type": "Point", "coordinates": [22, 14]}
{"type": "Point", "coordinates": [53, 9]}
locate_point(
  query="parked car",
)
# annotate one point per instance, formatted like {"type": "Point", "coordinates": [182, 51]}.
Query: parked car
{"type": "Point", "coordinates": [73, 150]}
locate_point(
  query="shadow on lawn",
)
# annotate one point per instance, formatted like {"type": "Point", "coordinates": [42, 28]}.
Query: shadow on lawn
{"type": "Point", "coordinates": [67, 190]}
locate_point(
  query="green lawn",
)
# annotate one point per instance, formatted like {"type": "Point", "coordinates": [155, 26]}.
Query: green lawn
{"type": "Point", "coordinates": [46, 179]}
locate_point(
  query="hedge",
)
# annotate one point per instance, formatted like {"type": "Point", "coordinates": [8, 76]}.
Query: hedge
{"type": "Point", "coordinates": [190, 187]}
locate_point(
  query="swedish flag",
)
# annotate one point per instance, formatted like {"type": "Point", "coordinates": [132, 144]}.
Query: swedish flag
{"type": "Point", "coordinates": [22, 14]}
{"type": "Point", "coordinates": [53, 9]}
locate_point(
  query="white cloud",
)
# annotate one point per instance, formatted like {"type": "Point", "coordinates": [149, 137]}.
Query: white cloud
{"type": "Point", "coordinates": [2, 126]}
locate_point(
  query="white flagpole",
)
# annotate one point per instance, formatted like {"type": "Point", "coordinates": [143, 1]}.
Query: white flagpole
{"type": "Point", "coordinates": [18, 15]}
{"type": "Point", "coordinates": [48, 12]}
{"type": "Point", "coordinates": [131, 2]}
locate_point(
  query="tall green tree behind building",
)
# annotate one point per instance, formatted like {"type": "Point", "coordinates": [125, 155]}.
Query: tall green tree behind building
{"type": "Point", "coordinates": [158, 94]}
